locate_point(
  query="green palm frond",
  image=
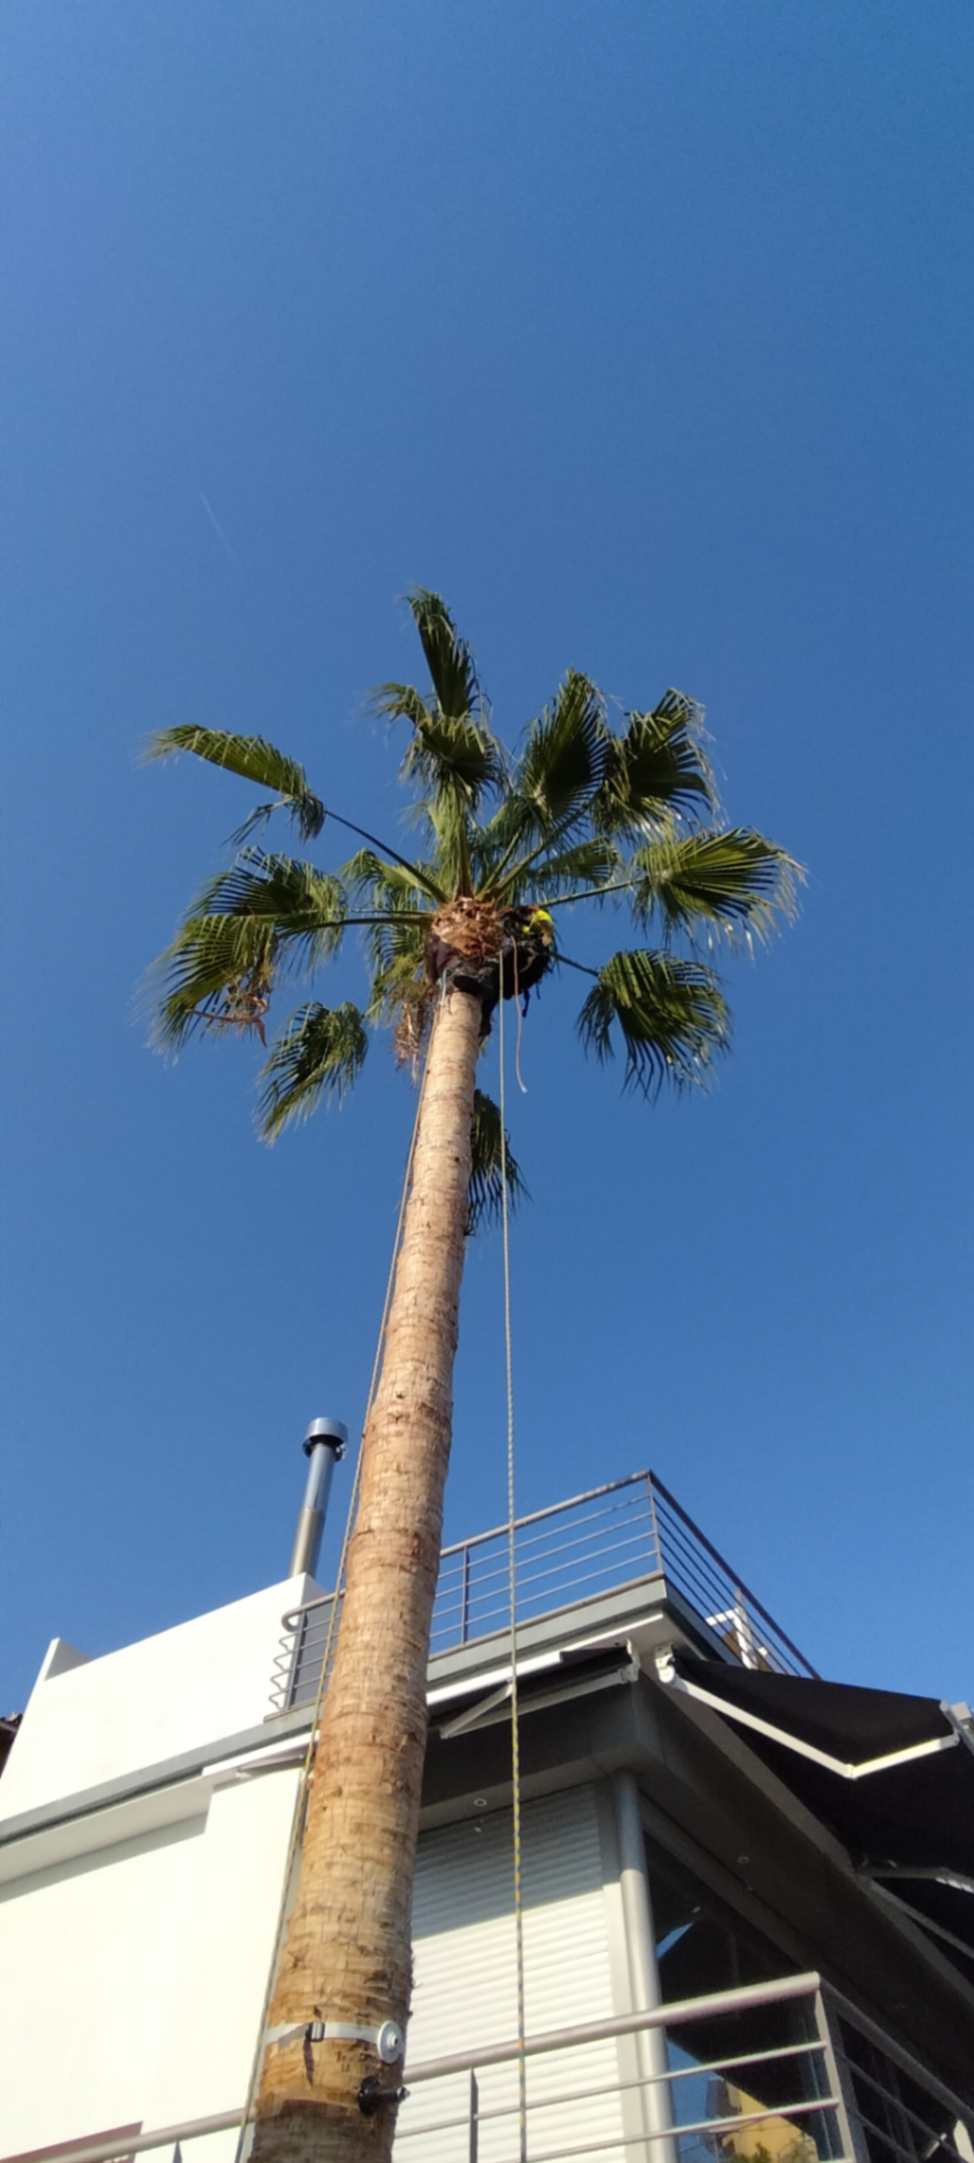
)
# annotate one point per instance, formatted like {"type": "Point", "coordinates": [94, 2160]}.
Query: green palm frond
{"type": "Point", "coordinates": [456, 756]}
{"type": "Point", "coordinates": [391, 886]}
{"type": "Point", "coordinates": [452, 758]}
{"type": "Point", "coordinates": [484, 1195]}
{"type": "Point", "coordinates": [563, 760]}
{"type": "Point", "coordinates": [401, 994]}
{"type": "Point", "coordinates": [556, 779]}
{"type": "Point", "coordinates": [588, 863]}
{"type": "Point", "coordinates": [400, 702]}
{"type": "Point", "coordinates": [671, 1015]}
{"type": "Point", "coordinates": [452, 753]}
{"type": "Point", "coordinates": [655, 771]}
{"type": "Point", "coordinates": [321, 1051]}
{"type": "Point", "coordinates": [307, 907]}
{"type": "Point", "coordinates": [451, 829]}
{"type": "Point", "coordinates": [401, 983]}
{"type": "Point", "coordinates": [400, 989]}
{"type": "Point", "coordinates": [254, 759]}
{"type": "Point", "coordinates": [219, 971]}
{"type": "Point", "coordinates": [734, 881]}
{"type": "Point", "coordinates": [450, 662]}
{"type": "Point", "coordinates": [390, 939]}
{"type": "Point", "coordinates": [580, 813]}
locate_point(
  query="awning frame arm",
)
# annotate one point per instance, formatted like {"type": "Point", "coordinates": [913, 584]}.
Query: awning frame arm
{"type": "Point", "coordinates": [916, 1915]}
{"type": "Point", "coordinates": [928, 1873]}
{"type": "Point", "coordinates": [462, 1721]}
{"type": "Point", "coordinates": [666, 1671]}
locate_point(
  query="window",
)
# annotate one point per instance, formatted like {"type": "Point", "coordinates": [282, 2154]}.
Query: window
{"type": "Point", "coordinates": [761, 2067]}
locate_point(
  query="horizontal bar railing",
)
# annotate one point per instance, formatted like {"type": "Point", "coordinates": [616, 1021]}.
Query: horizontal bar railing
{"type": "Point", "coordinates": [823, 2050]}
{"type": "Point", "coordinates": [164, 2136]}
{"type": "Point", "coordinates": [613, 1536]}
{"type": "Point", "coordinates": [669, 1508]}
{"type": "Point", "coordinates": [681, 2012]}
{"type": "Point", "coordinates": [818, 2098]}
{"type": "Point", "coordinates": [863, 2084]}
{"type": "Point", "coordinates": [551, 1509]}
{"type": "Point", "coordinates": [649, 2080]}
{"type": "Point", "coordinates": [721, 2127]}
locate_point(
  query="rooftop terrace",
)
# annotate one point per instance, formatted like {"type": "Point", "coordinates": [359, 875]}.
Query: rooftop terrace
{"type": "Point", "coordinates": [614, 1550]}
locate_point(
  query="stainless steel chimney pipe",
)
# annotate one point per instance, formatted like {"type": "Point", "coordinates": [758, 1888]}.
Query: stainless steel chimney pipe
{"type": "Point", "coordinates": [325, 1442]}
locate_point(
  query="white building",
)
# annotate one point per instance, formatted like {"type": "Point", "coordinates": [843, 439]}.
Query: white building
{"type": "Point", "coordinates": [762, 1885]}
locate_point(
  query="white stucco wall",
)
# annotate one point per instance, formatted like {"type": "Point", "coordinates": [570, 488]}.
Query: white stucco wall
{"type": "Point", "coordinates": [136, 1935]}
{"type": "Point", "coordinates": [97, 1720]}
{"type": "Point", "coordinates": [91, 1967]}
{"type": "Point", "coordinates": [132, 1978]}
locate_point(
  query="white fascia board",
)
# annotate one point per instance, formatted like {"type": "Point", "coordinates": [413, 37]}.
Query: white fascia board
{"type": "Point", "coordinates": [491, 1678]}
{"type": "Point", "coordinates": [68, 1840]}
{"type": "Point", "coordinates": [145, 1811]}
{"type": "Point", "coordinates": [292, 1750]}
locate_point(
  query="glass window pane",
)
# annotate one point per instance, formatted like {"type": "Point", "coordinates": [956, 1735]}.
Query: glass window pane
{"type": "Point", "coordinates": [746, 2084]}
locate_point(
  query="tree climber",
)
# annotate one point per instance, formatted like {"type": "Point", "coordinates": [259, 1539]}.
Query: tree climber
{"type": "Point", "coordinates": [514, 950]}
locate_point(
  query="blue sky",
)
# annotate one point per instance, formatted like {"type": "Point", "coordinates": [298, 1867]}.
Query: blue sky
{"type": "Point", "coordinates": [641, 329]}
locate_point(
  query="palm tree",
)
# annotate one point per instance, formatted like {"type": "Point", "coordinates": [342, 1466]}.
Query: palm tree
{"type": "Point", "coordinates": [583, 814]}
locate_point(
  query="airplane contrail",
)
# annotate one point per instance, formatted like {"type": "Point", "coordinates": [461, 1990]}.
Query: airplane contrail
{"type": "Point", "coordinates": [218, 529]}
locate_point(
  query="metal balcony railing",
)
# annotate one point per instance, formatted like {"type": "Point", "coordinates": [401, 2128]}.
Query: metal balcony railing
{"type": "Point", "coordinates": [798, 2075]}
{"type": "Point", "coordinates": [599, 1542]}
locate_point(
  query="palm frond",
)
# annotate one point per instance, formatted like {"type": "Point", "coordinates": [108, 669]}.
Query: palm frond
{"type": "Point", "coordinates": [400, 702]}
{"type": "Point", "coordinates": [455, 754]}
{"type": "Point", "coordinates": [454, 758]}
{"type": "Point", "coordinates": [450, 662]}
{"type": "Point", "coordinates": [484, 1194]}
{"type": "Point", "coordinates": [401, 994]}
{"type": "Point", "coordinates": [655, 771]}
{"type": "Point", "coordinates": [671, 1015]}
{"type": "Point", "coordinates": [254, 759]}
{"type": "Point", "coordinates": [591, 864]}
{"type": "Point", "coordinates": [321, 1051]}
{"type": "Point", "coordinates": [218, 972]}
{"type": "Point", "coordinates": [735, 881]}
{"type": "Point", "coordinates": [306, 906]}
{"type": "Point", "coordinates": [451, 830]}
{"type": "Point", "coordinates": [549, 802]}
{"type": "Point", "coordinates": [388, 884]}
{"type": "Point", "coordinates": [452, 753]}
{"type": "Point", "coordinates": [397, 950]}
{"type": "Point", "coordinates": [563, 760]}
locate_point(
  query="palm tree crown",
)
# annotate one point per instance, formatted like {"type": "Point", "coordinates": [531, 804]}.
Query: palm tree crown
{"type": "Point", "coordinates": [581, 813]}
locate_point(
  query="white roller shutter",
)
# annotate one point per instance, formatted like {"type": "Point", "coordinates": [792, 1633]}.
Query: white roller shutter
{"type": "Point", "coordinates": [465, 1981]}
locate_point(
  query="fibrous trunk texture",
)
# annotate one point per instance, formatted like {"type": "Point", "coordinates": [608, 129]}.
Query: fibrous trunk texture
{"type": "Point", "coordinates": [346, 1955]}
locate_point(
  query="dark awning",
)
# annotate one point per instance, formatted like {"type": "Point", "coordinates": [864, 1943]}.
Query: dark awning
{"type": "Point", "coordinates": [890, 1774]}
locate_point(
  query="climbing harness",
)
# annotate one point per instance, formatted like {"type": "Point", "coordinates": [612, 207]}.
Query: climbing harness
{"type": "Point", "coordinates": [522, 2094]}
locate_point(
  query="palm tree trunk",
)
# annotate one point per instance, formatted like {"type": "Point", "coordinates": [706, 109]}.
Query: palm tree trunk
{"type": "Point", "coordinates": [347, 1952]}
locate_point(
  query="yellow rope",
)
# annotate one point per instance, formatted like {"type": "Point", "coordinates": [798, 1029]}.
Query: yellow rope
{"type": "Point", "coordinates": [301, 1796]}
{"type": "Point", "coordinates": [512, 1593]}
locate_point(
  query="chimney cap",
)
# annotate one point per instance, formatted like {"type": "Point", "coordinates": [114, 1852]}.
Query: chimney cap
{"type": "Point", "coordinates": [332, 1431]}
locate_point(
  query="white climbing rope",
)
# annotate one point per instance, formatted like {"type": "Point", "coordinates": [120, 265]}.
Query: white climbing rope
{"type": "Point", "coordinates": [512, 1594]}
{"type": "Point", "coordinates": [521, 1083]}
